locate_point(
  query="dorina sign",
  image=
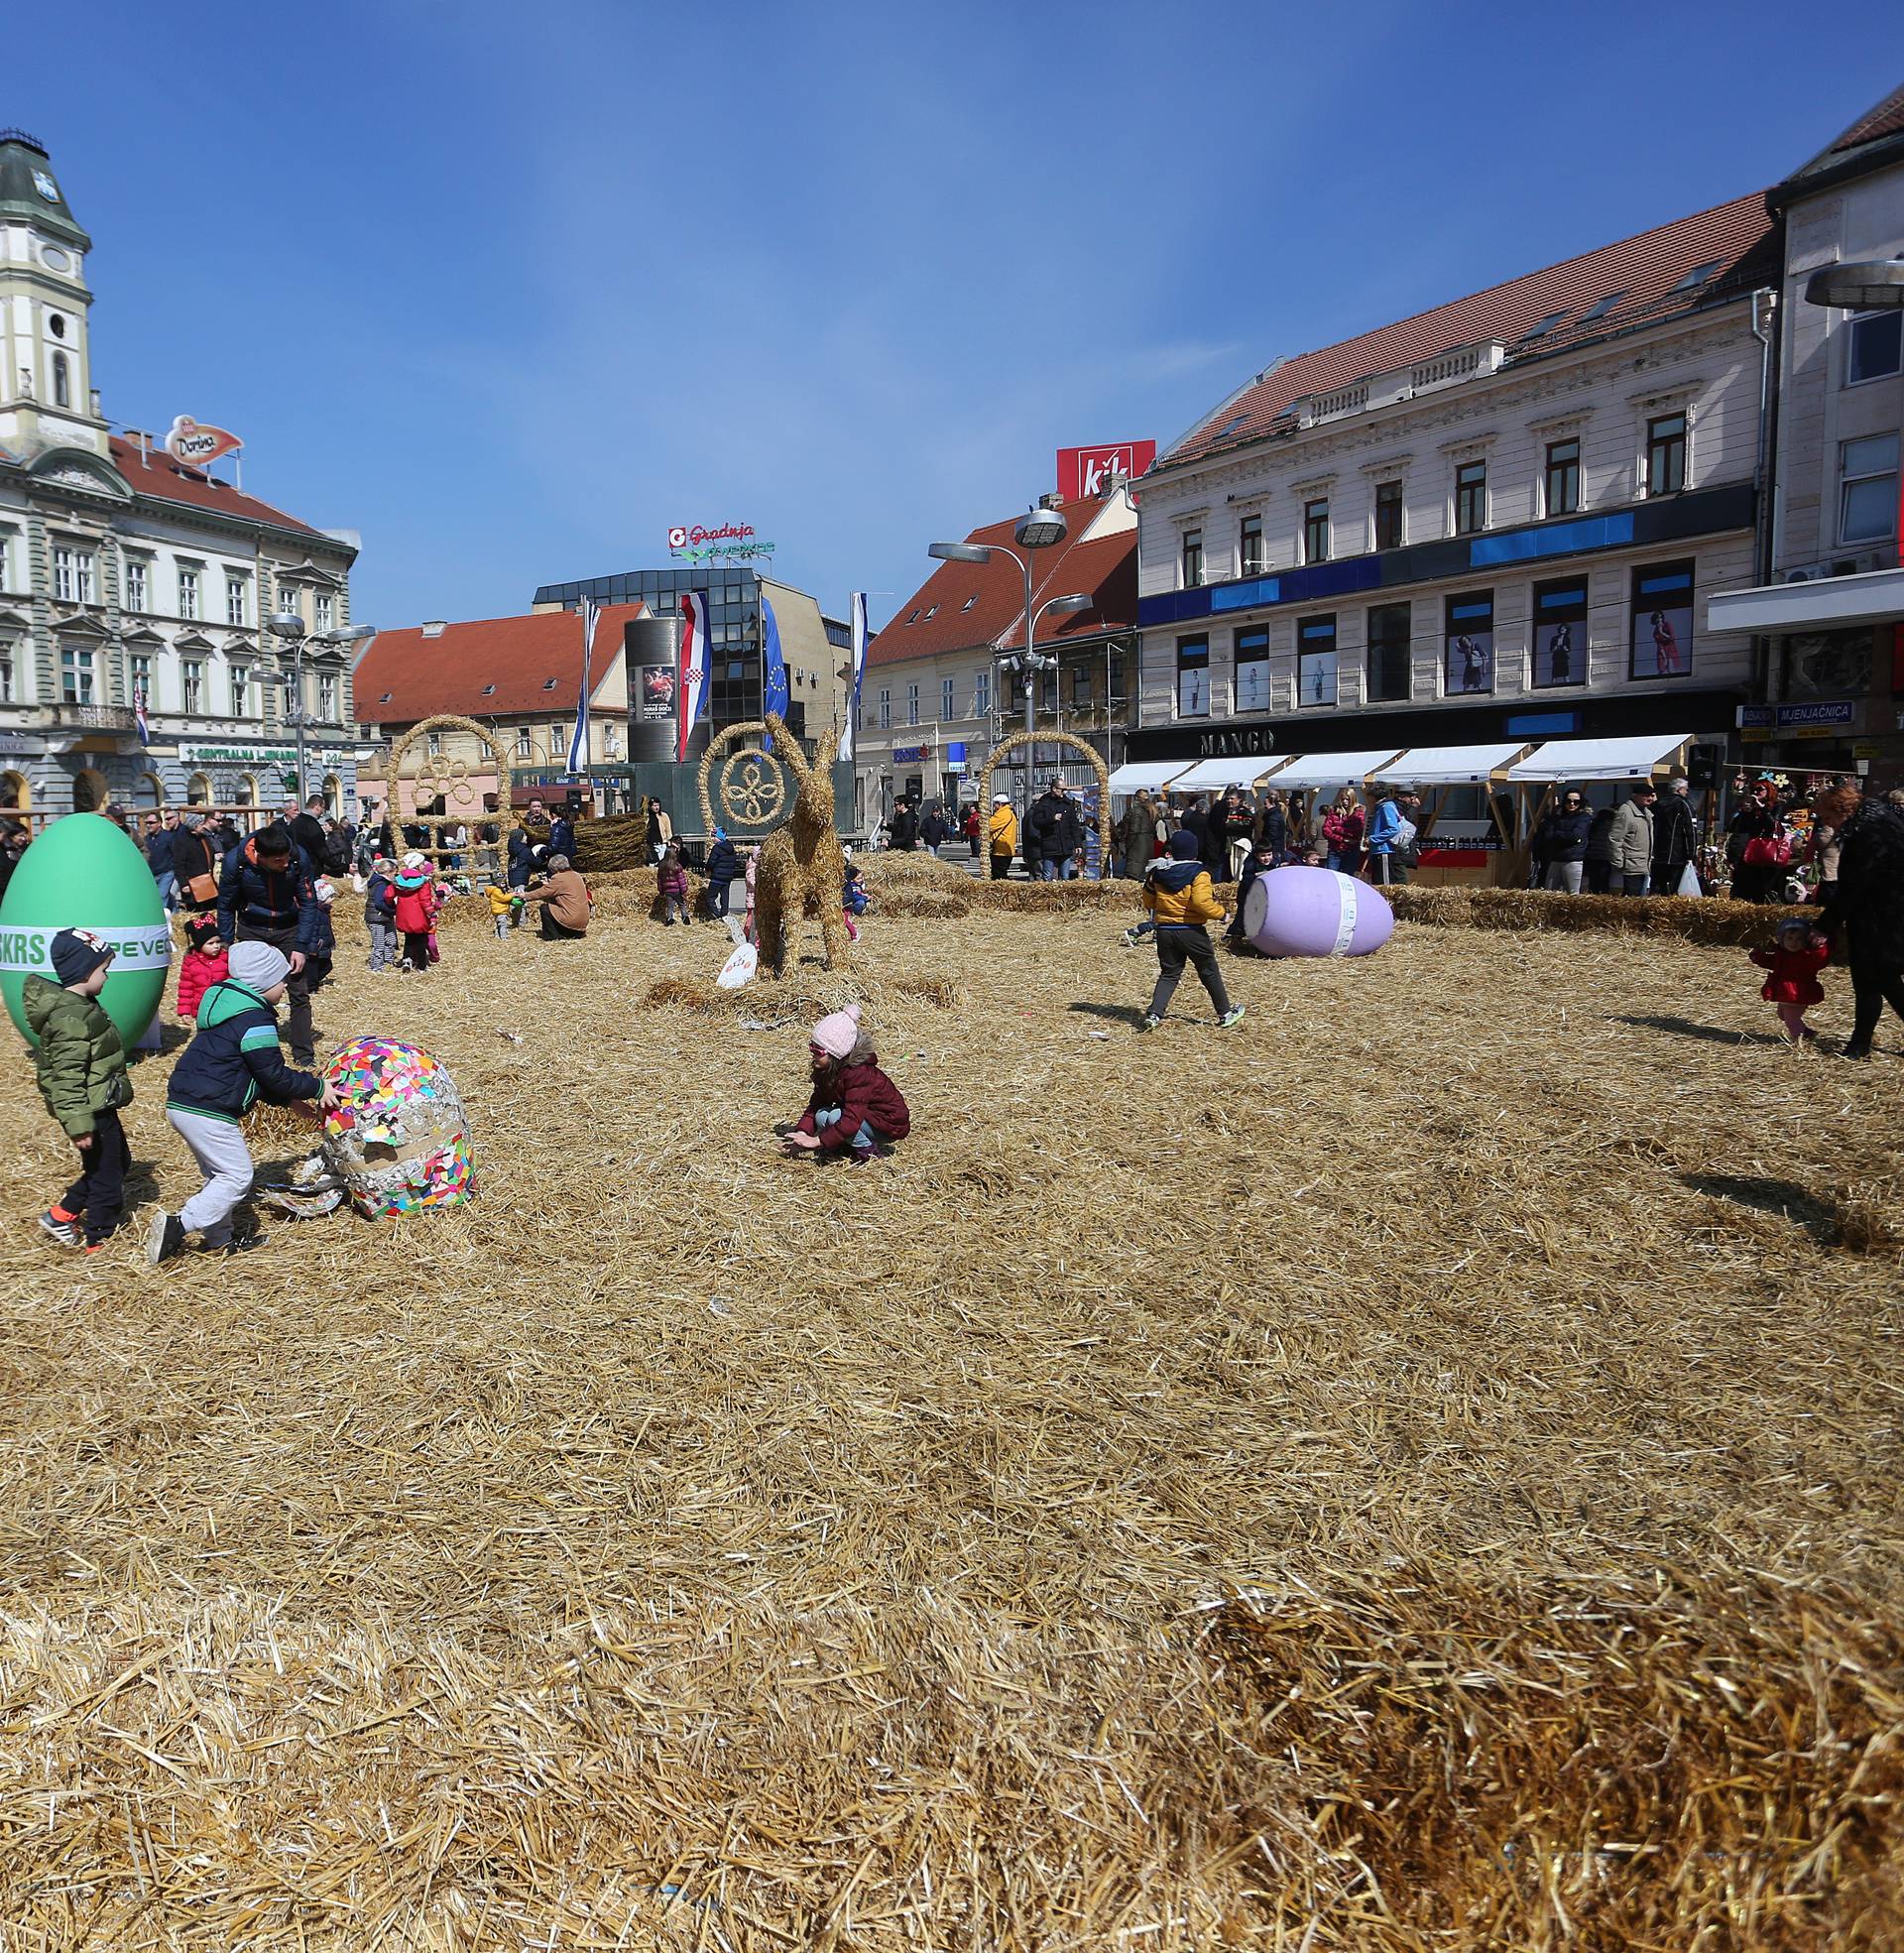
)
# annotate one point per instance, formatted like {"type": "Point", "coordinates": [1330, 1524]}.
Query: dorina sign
{"type": "Point", "coordinates": [198, 446]}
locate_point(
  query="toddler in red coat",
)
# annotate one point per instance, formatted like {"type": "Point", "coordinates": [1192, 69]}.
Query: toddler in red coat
{"type": "Point", "coordinates": [1793, 986]}
{"type": "Point", "coordinates": [206, 961]}
{"type": "Point", "coordinates": [855, 1108]}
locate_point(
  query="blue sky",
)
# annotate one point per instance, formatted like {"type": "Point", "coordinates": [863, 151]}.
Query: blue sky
{"type": "Point", "coordinates": [511, 289]}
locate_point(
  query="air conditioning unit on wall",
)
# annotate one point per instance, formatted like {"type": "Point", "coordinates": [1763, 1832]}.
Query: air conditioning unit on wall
{"type": "Point", "coordinates": [1847, 564]}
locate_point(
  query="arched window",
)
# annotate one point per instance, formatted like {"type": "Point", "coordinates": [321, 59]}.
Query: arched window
{"type": "Point", "coordinates": [148, 791]}
{"type": "Point", "coordinates": [198, 791]}
{"type": "Point", "coordinates": [12, 790]}
{"type": "Point", "coordinates": [248, 790]}
{"type": "Point", "coordinates": [62, 380]}
{"type": "Point", "coordinates": [90, 790]}
{"type": "Point", "coordinates": [334, 791]}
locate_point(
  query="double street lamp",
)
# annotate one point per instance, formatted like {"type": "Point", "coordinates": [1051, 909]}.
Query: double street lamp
{"type": "Point", "coordinates": [290, 626]}
{"type": "Point", "coordinates": [1040, 529]}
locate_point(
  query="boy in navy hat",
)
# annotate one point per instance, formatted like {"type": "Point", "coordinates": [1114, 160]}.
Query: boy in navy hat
{"type": "Point", "coordinates": [83, 1081]}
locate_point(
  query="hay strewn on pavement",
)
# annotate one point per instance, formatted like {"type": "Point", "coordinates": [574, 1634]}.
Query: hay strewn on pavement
{"type": "Point", "coordinates": [1494, 1340]}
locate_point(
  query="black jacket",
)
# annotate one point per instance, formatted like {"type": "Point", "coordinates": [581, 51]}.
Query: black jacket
{"type": "Point", "coordinates": [1276, 830]}
{"type": "Point", "coordinates": [1673, 839]}
{"type": "Point", "coordinates": [1563, 836]}
{"type": "Point", "coordinates": [561, 838]}
{"type": "Point", "coordinates": [159, 852]}
{"type": "Point", "coordinates": [903, 833]}
{"type": "Point", "coordinates": [521, 857]}
{"type": "Point", "coordinates": [307, 832]}
{"type": "Point", "coordinates": [724, 862]}
{"type": "Point", "coordinates": [234, 1059]}
{"type": "Point", "coordinates": [265, 900]}
{"type": "Point", "coordinates": [194, 852]}
{"type": "Point", "coordinates": [379, 899]}
{"type": "Point", "coordinates": [1053, 826]}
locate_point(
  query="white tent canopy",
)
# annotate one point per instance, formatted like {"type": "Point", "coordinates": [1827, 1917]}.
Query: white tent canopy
{"type": "Point", "coordinates": [1452, 766]}
{"type": "Point", "coordinates": [1208, 774]}
{"type": "Point", "coordinates": [1599, 758]}
{"type": "Point", "coordinates": [1134, 774]}
{"type": "Point", "coordinates": [1305, 770]}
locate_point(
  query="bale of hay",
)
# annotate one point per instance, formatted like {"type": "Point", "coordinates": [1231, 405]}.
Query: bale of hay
{"type": "Point", "coordinates": [619, 841]}
{"type": "Point", "coordinates": [1714, 920]}
{"type": "Point", "coordinates": [881, 867]}
{"type": "Point", "coordinates": [926, 901]}
{"type": "Point", "coordinates": [1600, 1763]}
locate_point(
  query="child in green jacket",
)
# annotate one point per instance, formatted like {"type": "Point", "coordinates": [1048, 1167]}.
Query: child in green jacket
{"type": "Point", "coordinates": [83, 1081]}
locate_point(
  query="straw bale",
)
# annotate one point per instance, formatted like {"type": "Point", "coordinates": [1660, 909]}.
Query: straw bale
{"type": "Point", "coordinates": [686, 1545]}
{"type": "Point", "coordinates": [1715, 919]}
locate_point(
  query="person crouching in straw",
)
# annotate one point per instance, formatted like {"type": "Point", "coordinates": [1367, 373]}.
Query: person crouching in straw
{"type": "Point", "coordinates": [855, 1108]}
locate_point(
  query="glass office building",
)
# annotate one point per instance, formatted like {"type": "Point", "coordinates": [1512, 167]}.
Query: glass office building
{"type": "Point", "coordinates": [733, 628]}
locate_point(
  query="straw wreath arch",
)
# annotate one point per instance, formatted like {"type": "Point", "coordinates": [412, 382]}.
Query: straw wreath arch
{"type": "Point", "coordinates": [1077, 745]}
{"type": "Point", "coordinates": [439, 777]}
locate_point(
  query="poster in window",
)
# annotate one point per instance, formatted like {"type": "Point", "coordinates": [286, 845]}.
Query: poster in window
{"type": "Point", "coordinates": [1560, 634]}
{"type": "Point", "coordinates": [1193, 692]}
{"type": "Point", "coordinates": [657, 691]}
{"type": "Point", "coordinates": [1316, 662]}
{"type": "Point", "coordinates": [1470, 647]}
{"type": "Point", "coordinates": [1662, 644]}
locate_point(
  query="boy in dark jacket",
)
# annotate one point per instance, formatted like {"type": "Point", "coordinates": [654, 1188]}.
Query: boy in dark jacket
{"type": "Point", "coordinates": [82, 1078]}
{"type": "Point", "coordinates": [231, 1064]}
{"type": "Point", "coordinates": [1180, 899]}
{"type": "Point", "coordinates": [1261, 859]}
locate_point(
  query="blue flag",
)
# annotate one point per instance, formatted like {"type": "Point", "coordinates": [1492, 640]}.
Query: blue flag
{"type": "Point", "coordinates": [774, 692]}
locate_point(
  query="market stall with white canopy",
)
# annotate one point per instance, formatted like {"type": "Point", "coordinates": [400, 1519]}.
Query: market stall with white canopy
{"type": "Point", "coordinates": [1212, 775]}
{"type": "Point", "coordinates": [1302, 771]}
{"type": "Point", "coordinates": [1154, 773]}
{"type": "Point", "coordinates": [1599, 759]}
{"type": "Point", "coordinates": [1488, 851]}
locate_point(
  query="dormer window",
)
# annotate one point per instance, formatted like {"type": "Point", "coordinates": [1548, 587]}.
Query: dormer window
{"type": "Point", "coordinates": [932, 613]}
{"type": "Point", "coordinates": [969, 602]}
{"type": "Point", "coordinates": [549, 684]}
{"type": "Point", "coordinates": [489, 691]}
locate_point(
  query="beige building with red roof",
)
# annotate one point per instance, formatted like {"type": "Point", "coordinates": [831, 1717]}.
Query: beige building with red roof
{"type": "Point", "coordinates": [129, 578]}
{"type": "Point", "coordinates": [517, 676]}
{"type": "Point", "coordinates": [942, 685]}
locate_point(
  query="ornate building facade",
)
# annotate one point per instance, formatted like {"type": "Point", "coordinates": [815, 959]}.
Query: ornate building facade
{"type": "Point", "coordinates": [134, 587]}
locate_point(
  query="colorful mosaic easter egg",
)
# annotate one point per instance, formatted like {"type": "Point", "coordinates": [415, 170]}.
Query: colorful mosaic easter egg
{"type": "Point", "coordinates": [398, 1138]}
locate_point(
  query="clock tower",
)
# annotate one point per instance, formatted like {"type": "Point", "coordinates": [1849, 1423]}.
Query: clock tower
{"type": "Point", "coordinates": [46, 364]}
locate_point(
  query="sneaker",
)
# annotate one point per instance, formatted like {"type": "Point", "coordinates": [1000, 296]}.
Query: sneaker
{"type": "Point", "coordinates": [1233, 1015]}
{"type": "Point", "coordinates": [66, 1233]}
{"type": "Point", "coordinates": [239, 1244]}
{"type": "Point", "coordinates": [1132, 939]}
{"type": "Point", "coordinates": [1149, 1023]}
{"type": "Point", "coordinates": [167, 1238]}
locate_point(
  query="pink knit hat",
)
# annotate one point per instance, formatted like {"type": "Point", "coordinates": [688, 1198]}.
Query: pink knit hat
{"type": "Point", "coordinates": [837, 1035]}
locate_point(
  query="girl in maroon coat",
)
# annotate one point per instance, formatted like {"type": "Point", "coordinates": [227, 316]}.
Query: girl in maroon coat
{"type": "Point", "coordinates": [1793, 985]}
{"type": "Point", "coordinates": [855, 1108]}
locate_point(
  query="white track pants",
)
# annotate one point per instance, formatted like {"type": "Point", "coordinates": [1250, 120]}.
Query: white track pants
{"type": "Point", "coordinates": [219, 1148]}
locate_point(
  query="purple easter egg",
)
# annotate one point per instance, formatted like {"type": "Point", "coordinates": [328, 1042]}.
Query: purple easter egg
{"type": "Point", "coordinates": [1313, 911]}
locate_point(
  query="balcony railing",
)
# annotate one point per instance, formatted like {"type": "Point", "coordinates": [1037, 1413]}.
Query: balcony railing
{"type": "Point", "coordinates": [87, 719]}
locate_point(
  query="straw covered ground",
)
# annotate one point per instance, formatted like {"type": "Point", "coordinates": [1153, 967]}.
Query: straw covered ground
{"type": "Point", "coordinates": [1419, 1471]}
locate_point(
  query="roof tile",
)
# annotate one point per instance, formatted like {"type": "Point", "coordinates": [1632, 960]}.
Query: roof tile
{"type": "Point", "coordinates": [1737, 239]}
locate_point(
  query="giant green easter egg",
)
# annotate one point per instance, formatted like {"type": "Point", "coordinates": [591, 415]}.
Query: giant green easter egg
{"type": "Point", "coordinates": [84, 873]}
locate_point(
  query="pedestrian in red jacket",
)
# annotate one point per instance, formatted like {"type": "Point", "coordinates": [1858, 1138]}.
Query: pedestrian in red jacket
{"type": "Point", "coordinates": [417, 901]}
{"type": "Point", "coordinates": [855, 1108]}
{"type": "Point", "coordinates": [206, 961]}
{"type": "Point", "coordinates": [1793, 985]}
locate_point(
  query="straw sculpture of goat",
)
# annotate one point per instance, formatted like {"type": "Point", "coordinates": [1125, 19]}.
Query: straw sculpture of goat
{"type": "Point", "coordinates": [802, 870]}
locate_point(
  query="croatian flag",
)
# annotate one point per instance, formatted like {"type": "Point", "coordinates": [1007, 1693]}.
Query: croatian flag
{"type": "Point", "coordinates": [776, 691]}
{"type": "Point", "coordinates": [579, 739]}
{"type": "Point", "coordinates": [139, 715]}
{"type": "Point", "coordinates": [691, 688]}
{"type": "Point", "coordinates": [857, 615]}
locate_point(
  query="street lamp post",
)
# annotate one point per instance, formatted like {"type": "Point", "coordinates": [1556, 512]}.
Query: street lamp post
{"type": "Point", "coordinates": [1039, 528]}
{"type": "Point", "coordinates": [290, 626]}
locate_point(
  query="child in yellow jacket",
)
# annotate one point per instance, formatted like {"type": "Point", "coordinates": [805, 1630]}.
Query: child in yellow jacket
{"type": "Point", "coordinates": [1181, 899]}
{"type": "Point", "coordinates": [504, 908]}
